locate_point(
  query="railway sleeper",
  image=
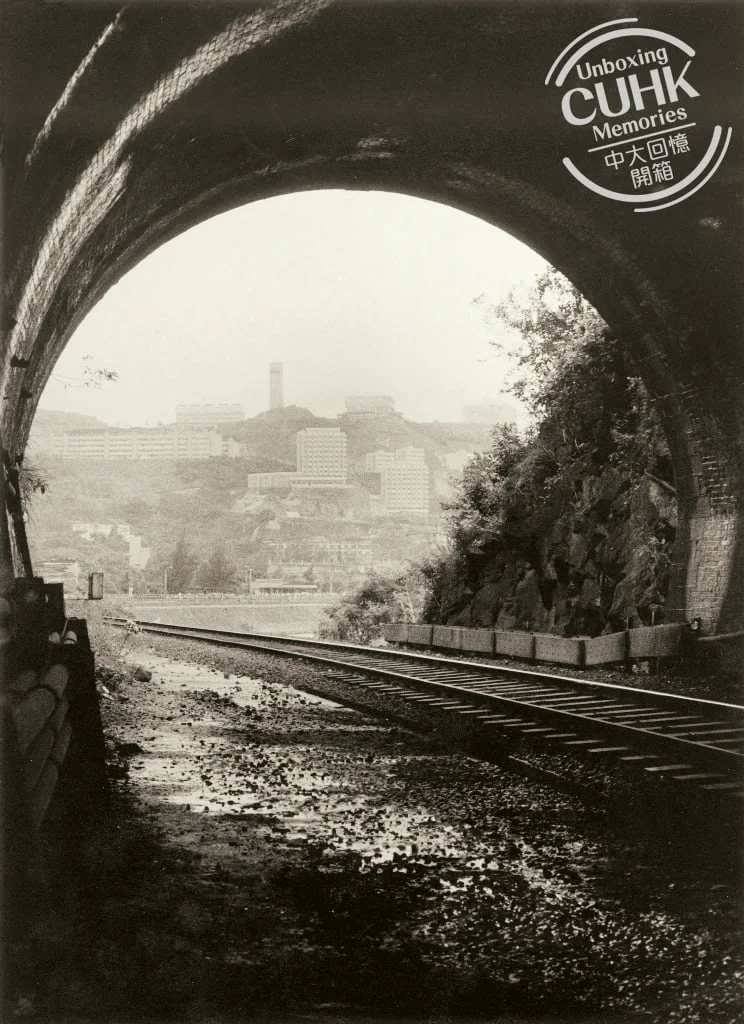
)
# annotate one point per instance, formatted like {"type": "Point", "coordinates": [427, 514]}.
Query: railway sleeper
{"type": "Point", "coordinates": [699, 777]}
{"type": "Point", "coordinates": [710, 745]}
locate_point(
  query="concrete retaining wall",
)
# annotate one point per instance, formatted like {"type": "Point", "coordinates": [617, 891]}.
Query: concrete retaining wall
{"type": "Point", "coordinates": [449, 637]}
{"type": "Point", "coordinates": [514, 645]}
{"type": "Point", "coordinates": [420, 635]}
{"type": "Point", "coordinates": [479, 641]}
{"type": "Point", "coordinates": [644, 642]}
{"type": "Point", "coordinates": [560, 650]}
{"type": "Point", "coordinates": [654, 641]}
{"type": "Point", "coordinates": [600, 650]}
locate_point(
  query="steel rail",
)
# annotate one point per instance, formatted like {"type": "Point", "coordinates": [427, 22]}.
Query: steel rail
{"type": "Point", "coordinates": [699, 733]}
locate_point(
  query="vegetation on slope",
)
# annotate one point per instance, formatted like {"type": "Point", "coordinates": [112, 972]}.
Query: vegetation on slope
{"type": "Point", "coordinates": [567, 528]}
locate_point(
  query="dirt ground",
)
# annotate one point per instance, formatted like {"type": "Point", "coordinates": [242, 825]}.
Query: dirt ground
{"type": "Point", "coordinates": [271, 855]}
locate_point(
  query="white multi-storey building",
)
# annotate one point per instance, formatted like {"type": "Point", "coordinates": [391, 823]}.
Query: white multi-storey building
{"type": "Point", "coordinates": [321, 452]}
{"type": "Point", "coordinates": [321, 463]}
{"type": "Point", "coordinates": [376, 462]}
{"type": "Point", "coordinates": [404, 479]}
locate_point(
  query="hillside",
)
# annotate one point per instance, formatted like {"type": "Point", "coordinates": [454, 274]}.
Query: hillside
{"type": "Point", "coordinates": [163, 500]}
{"type": "Point", "coordinates": [270, 437]}
{"type": "Point", "coordinates": [52, 421]}
{"type": "Point", "coordinates": [570, 530]}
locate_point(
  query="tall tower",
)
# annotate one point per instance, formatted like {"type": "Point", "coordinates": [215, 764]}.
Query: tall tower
{"type": "Point", "coordinates": [276, 385]}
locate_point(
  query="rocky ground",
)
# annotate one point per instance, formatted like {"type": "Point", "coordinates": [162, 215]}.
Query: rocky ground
{"type": "Point", "coordinates": [273, 855]}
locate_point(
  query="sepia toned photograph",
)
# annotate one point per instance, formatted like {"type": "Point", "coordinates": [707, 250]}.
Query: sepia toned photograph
{"type": "Point", "coordinates": [372, 562]}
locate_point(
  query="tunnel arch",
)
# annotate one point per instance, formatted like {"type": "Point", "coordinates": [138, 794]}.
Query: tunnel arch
{"type": "Point", "coordinates": [166, 160]}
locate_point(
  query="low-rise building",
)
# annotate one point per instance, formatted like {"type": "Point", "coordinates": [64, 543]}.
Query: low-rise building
{"type": "Point", "coordinates": [143, 443]}
{"type": "Point", "coordinates": [369, 407]}
{"type": "Point", "coordinates": [321, 550]}
{"type": "Point", "coordinates": [262, 482]}
{"type": "Point", "coordinates": [209, 414]}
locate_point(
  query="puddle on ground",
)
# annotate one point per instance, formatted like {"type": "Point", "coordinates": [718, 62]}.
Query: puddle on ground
{"type": "Point", "coordinates": [305, 793]}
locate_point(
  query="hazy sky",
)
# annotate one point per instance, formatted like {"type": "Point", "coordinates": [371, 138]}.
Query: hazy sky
{"type": "Point", "coordinates": [355, 292]}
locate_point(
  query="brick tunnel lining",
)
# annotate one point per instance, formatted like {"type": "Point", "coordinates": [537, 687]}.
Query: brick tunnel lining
{"type": "Point", "coordinates": [180, 163]}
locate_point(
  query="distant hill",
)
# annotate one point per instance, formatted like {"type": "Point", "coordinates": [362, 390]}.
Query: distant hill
{"type": "Point", "coordinates": [271, 436]}
{"type": "Point", "coordinates": [286, 412]}
{"type": "Point", "coordinates": [51, 421]}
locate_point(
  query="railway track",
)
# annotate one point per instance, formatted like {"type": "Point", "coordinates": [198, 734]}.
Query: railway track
{"type": "Point", "coordinates": [685, 739]}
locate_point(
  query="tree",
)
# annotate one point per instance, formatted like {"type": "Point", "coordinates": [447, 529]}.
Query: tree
{"type": "Point", "coordinates": [360, 616]}
{"type": "Point", "coordinates": [90, 377]}
{"type": "Point", "coordinates": [550, 512]}
{"type": "Point", "coordinates": [217, 573]}
{"type": "Point", "coordinates": [550, 323]}
{"type": "Point", "coordinates": [183, 563]}
{"type": "Point", "coordinates": [32, 480]}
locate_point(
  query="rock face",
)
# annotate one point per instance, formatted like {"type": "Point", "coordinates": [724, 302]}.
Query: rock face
{"type": "Point", "coordinates": [596, 571]}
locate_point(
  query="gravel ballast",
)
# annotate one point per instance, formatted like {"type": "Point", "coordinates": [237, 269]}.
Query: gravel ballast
{"type": "Point", "coordinates": [273, 852]}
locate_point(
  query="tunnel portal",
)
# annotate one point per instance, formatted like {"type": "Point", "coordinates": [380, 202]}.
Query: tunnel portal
{"type": "Point", "coordinates": [127, 126]}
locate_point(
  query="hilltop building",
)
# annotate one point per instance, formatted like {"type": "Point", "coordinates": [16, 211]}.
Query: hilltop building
{"type": "Point", "coordinates": [369, 407]}
{"type": "Point", "coordinates": [210, 415]}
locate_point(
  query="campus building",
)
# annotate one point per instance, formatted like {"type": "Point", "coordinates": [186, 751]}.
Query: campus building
{"type": "Point", "coordinates": [404, 480]}
{"type": "Point", "coordinates": [321, 463]}
{"type": "Point", "coordinates": [143, 443]}
{"type": "Point", "coordinates": [321, 452]}
{"type": "Point", "coordinates": [369, 407]}
{"type": "Point", "coordinates": [209, 415]}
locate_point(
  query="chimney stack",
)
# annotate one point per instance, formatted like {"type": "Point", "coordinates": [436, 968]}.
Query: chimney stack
{"type": "Point", "coordinates": [276, 385]}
